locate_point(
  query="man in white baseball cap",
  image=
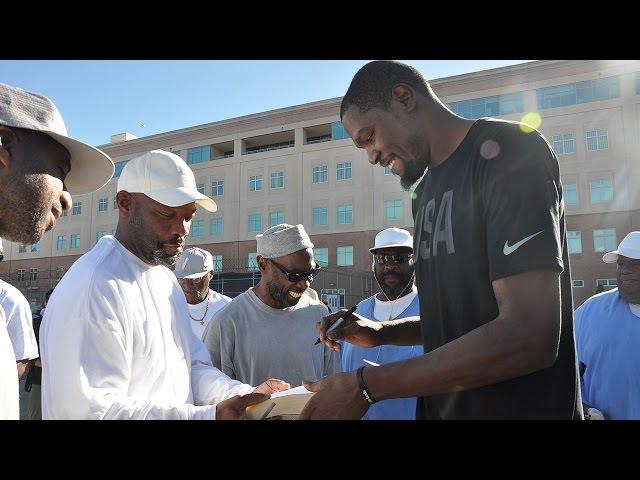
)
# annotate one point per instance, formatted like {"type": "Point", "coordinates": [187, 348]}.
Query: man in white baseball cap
{"type": "Point", "coordinates": [394, 272]}
{"type": "Point", "coordinates": [40, 165]}
{"type": "Point", "coordinates": [116, 339]}
{"type": "Point", "coordinates": [194, 271]}
{"type": "Point", "coordinates": [607, 330]}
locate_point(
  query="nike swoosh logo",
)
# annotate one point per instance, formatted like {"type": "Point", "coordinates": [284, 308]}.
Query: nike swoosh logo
{"type": "Point", "coordinates": [510, 249]}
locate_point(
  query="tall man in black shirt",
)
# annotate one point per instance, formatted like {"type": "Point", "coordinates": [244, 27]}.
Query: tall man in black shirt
{"type": "Point", "coordinates": [492, 267]}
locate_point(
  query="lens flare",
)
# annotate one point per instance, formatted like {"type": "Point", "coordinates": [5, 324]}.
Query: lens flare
{"type": "Point", "coordinates": [530, 121]}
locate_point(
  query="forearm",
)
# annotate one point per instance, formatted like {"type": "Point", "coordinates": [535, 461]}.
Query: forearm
{"type": "Point", "coordinates": [407, 331]}
{"type": "Point", "coordinates": [21, 366]}
{"type": "Point", "coordinates": [494, 352]}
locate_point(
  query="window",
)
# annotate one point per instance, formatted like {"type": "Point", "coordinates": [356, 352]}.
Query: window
{"type": "Point", "coordinates": [574, 241]}
{"type": "Point", "coordinates": [217, 263]}
{"type": "Point", "coordinates": [345, 256]}
{"type": "Point", "coordinates": [276, 218]}
{"type": "Point", "coordinates": [198, 154]}
{"type": "Point", "coordinates": [576, 93]}
{"type": "Point", "coordinates": [115, 203]}
{"type": "Point", "coordinates": [489, 106]}
{"type": "Point", "coordinates": [252, 263]}
{"type": "Point", "coordinates": [119, 166]}
{"type": "Point", "coordinates": [393, 209]}
{"type": "Point", "coordinates": [62, 242]}
{"type": "Point", "coordinates": [563, 143]}
{"type": "Point", "coordinates": [344, 171]}
{"type": "Point", "coordinates": [607, 282]}
{"type": "Point", "coordinates": [255, 183]}
{"type": "Point", "coordinates": [21, 274]}
{"type": "Point", "coordinates": [334, 297]}
{"type": "Point", "coordinates": [200, 188]}
{"type": "Point", "coordinates": [597, 140]}
{"type": "Point", "coordinates": [570, 193]}
{"type": "Point", "coordinates": [100, 234]}
{"type": "Point", "coordinates": [75, 240]}
{"type": "Point", "coordinates": [345, 214]}
{"type": "Point", "coordinates": [578, 283]}
{"type": "Point", "coordinates": [35, 247]}
{"type": "Point", "coordinates": [320, 174]}
{"type": "Point", "coordinates": [103, 204]}
{"type": "Point", "coordinates": [320, 217]}
{"type": "Point", "coordinates": [255, 222]}
{"type": "Point", "coordinates": [33, 274]}
{"type": "Point", "coordinates": [277, 180]}
{"type": "Point", "coordinates": [197, 228]}
{"type": "Point", "coordinates": [217, 226]}
{"type": "Point", "coordinates": [338, 132]}
{"type": "Point", "coordinates": [321, 256]}
{"type": "Point", "coordinates": [59, 272]}
{"type": "Point", "coordinates": [388, 171]}
{"type": "Point", "coordinates": [22, 248]}
{"type": "Point", "coordinates": [217, 188]}
{"type": "Point", "coordinates": [77, 208]}
{"type": "Point", "coordinates": [601, 190]}
{"type": "Point", "coordinates": [604, 240]}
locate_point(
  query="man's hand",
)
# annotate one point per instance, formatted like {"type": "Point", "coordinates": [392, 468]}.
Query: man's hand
{"type": "Point", "coordinates": [354, 329]}
{"type": "Point", "coordinates": [272, 385]}
{"type": "Point", "coordinates": [337, 398]}
{"type": "Point", "coordinates": [234, 408]}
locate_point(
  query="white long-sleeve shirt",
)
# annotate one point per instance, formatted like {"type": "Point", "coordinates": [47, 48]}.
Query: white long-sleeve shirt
{"type": "Point", "coordinates": [9, 409]}
{"type": "Point", "coordinates": [116, 343]}
{"type": "Point", "coordinates": [19, 324]}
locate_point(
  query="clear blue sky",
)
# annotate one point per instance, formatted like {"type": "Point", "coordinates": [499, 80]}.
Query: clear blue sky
{"type": "Point", "coordinates": [101, 98]}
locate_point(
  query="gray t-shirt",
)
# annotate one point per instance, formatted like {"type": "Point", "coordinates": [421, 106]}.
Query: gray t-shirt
{"type": "Point", "coordinates": [252, 342]}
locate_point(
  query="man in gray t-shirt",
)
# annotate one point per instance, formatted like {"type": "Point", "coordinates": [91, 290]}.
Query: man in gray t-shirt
{"type": "Point", "coordinates": [269, 330]}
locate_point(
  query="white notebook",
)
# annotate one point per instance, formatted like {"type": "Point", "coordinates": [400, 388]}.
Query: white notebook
{"type": "Point", "coordinates": [288, 403]}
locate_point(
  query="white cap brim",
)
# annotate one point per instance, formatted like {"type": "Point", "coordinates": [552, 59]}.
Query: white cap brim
{"type": "Point", "coordinates": [176, 197]}
{"type": "Point", "coordinates": [91, 168]}
{"type": "Point", "coordinates": [610, 257]}
{"type": "Point", "coordinates": [191, 276]}
{"type": "Point", "coordinates": [374, 249]}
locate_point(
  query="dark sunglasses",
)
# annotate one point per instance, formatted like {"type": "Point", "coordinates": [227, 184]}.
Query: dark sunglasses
{"type": "Point", "coordinates": [296, 277]}
{"type": "Point", "coordinates": [400, 258]}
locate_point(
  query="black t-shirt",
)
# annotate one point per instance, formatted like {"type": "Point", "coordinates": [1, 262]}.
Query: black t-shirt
{"type": "Point", "coordinates": [493, 209]}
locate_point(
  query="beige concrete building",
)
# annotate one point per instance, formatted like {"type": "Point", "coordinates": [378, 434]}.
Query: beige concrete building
{"type": "Point", "coordinates": [296, 165]}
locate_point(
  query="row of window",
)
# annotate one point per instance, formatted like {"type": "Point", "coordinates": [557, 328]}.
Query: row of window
{"type": "Point", "coordinates": [604, 240]}
{"type": "Point", "coordinates": [600, 191]}
{"type": "Point", "coordinates": [600, 282]}
{"type": "Point", "coordinates": [344, 257]}
{"type": "Point", "coordinates": [563, 144]}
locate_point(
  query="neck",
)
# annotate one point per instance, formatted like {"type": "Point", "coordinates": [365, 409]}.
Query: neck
{"type": "Point", "coordinates": [448, 129]}
{"type": "Point", "coordinates": [125, 240]}
{"type": "Point", "coordinates": [262, 293]}
{"type": "Point", "coordinates": [197, 301]}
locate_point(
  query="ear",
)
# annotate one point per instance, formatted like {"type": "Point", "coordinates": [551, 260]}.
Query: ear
{"type": "Point", "coordinates": [405, 95]}
{"type": "Point", "coordinates": [124, 200]}
{"type": "Point", "coordinates": [7, 140]}
{"type": "Point", "coordinates": [262, 263]}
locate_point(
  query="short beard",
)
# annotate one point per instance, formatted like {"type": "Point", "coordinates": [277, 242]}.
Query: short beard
{"type": "Point", "coordinates": [413, 171]}
{"type": "Point", "coordinates": [150, 248]}
{"type": "Point", "coordinates": [23, 213]}
{"type": "Point", "coordinates": [277, 293]}
{"type": "Point", "coordinates": [395, 291]}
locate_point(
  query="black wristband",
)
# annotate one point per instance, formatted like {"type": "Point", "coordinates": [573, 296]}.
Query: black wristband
{"type": "Point", "coordinates": [363, 387]}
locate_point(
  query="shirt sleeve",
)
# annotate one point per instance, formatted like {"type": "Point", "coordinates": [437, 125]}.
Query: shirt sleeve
{"type": "Point", "coordinates": [522, 206]}
{"type": "Point", "coordinates": [20, 327]}
{"type": "Point", "coordinates": [220, 345]}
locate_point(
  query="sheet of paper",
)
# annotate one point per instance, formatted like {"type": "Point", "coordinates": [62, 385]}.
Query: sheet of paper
{"type": "Point", "coordinates": [287, 403]}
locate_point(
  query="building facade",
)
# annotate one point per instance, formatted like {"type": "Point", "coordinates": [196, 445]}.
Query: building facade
{"type": "Point", "coordinates": [297, 165]}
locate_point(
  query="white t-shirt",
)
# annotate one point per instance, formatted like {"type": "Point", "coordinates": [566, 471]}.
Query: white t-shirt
{"type": "Point", "coordinates": [18, 319]}
{"type": "Point", "coordinates": [385, 311]}
{"type": "Point", "coordinates": [116, 344]}
{"type": "Point", "coordinates": [635, 309]}
{"type": "Point", "coordinates": [9, 406]}
{"type": "Point", "coordinates": [211, 305]}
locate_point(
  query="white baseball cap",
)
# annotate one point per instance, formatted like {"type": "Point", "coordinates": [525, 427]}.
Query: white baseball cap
{"type": "Point", "coordinates": [629, 247]}
{"type": "Point", "coordinates": [165, 178]}
{"type": "Point", "coordinates": [392, 237]}
{"type": "Point", "coordinates": [194, 263]}
{"type": "Point", "coordinates": [90, 170]}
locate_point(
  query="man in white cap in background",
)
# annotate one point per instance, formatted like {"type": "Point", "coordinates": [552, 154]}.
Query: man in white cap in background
{"type": "Point", "coordinates": [393, 270]}
{"type": "Point", "coordinates": [270, 329]}
{"type": "Point", "coordinates": [194, 272]}
{"type": "Point", "coordinates": [40, 165]}
{"type": "Point", "coordinates": [116, 341]}
{"type": "Point", "coordinates": [608, 339]}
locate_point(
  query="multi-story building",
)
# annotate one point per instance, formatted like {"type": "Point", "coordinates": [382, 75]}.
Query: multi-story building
{"type": "Point", "coordinates": [297, 165]}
